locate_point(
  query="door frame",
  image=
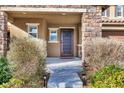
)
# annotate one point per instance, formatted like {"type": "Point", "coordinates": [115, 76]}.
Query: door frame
{"type": "Point", "coordinates": [73, 30]}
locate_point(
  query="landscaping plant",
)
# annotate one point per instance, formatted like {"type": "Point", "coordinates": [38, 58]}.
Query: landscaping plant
{"type": "Point", "coordinates": [110, 76]}
{"type": "Point", "coordinates": [26, 58]}
{"type": "Point", "coordinates": [100, 52]}
{"type": "Point", "coordinates": [5, 74]}
{"type": "Point", "coordinates": [13, 83]}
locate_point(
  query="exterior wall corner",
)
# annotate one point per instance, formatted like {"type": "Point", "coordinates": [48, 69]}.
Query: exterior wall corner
{"type": "Point", "coordinates": [3, 33]}
{"type": "Point", "coordinates": [91, 26]}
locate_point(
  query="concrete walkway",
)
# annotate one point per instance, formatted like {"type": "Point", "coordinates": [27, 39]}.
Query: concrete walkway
{"type": "Point", "coordinates": [64, 73]}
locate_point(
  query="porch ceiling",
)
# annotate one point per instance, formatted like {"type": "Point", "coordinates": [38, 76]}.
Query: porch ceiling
{"type": "Point", "coordinates": [52, 18]}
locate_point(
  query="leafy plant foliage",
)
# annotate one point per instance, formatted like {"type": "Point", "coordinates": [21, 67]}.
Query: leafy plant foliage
{"type": "Point", "coordinates": [5, 74]}
{"type": "Point", "coordinates": [13, 83]}
{"type": "Point", "coordinates": [110, 76]}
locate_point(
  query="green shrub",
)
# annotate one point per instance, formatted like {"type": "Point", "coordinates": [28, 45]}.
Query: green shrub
{"type": "Point", "coordinates": [5, 74]}
{"type": "Point", "coordinates": [34, 82]}
{"type": "Point", "coordinates": [100, 52]}
{"type": "Point", "coordinates": [13, 83]}
{"type": "Point", "coordinates": [109, 77]}
{"type": "Point", "coordinates": [26, 58]}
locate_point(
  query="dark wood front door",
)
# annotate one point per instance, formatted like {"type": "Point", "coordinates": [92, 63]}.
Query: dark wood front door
{"type": "Point", "coordinates": [66, 42]}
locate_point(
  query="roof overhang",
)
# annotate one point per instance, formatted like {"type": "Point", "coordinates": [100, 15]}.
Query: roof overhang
{"type": "Point", "coordinates": [104, 7]}
{"type": "Point", "coordinates": [74, 9]}
{"type": "Point", "coordinates": [33, 9]}
{"type": "Point", "coordinates": [112, 28]}
{"type": "Point", "coordinates": [113, 21]}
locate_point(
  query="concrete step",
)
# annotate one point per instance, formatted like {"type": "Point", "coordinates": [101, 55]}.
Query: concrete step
{"type": "Point", "coordinates": [63, 73]}
{"type": "Point", "coordinates": [70, 80]}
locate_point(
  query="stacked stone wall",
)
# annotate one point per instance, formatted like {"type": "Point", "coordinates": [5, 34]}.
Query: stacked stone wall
{"type": "Point", "coordinates": [3, 33]}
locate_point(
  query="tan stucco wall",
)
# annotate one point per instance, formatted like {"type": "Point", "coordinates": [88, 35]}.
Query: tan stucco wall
{"type": "Point", "coordinates": [19, 26]}
{"type": "Point", "coordinates": [16, 31]}
{"type": "Point", "coordinates": [54, 48]}
{"type": "Point", "coordinates": [79, 34]}
{"type": "Point", "coordinates": [112, 11]}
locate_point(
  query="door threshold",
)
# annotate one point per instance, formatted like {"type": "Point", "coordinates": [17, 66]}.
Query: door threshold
{"type": "Point", "coordinates": [71, 57]}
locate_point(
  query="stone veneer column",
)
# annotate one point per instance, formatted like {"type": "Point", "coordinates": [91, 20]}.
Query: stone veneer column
{"type": "Point", "coordinates": [91, 25]}
{"type": "Point", "coordinates": [3, 33]}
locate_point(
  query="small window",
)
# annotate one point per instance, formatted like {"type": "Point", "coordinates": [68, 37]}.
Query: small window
{"type": "Point", "coordinates": [105, 13]}
{"type": "Point", "coordinates": [33, 29]}
{"type": "Point", "coordinates": [53, 34]}
{"type": "Point", "coordinates": [119, 10]}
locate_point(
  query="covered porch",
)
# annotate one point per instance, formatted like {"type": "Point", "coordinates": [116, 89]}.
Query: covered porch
{"type": "Point", "coordinates": [53, 27]}
{"type": "Point", "coordinates": [41, 22]}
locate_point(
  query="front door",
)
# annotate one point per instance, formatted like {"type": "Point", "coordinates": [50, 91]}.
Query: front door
{"type": "Point", "coordinates": [66, 42]}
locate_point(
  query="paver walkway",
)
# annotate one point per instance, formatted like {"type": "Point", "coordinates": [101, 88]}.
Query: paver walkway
{"type": "Point", "coordinates": [64, 73]}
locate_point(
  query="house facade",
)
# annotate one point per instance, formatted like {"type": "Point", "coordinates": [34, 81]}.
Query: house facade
{"type": "Point", "coordinates": [63, 27]}
{"type": "Point", "coordinates": [113, 22]}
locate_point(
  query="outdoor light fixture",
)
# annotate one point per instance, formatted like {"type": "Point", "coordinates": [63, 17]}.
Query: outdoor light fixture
{"type": "Point", "coordinates": [24, 13]}
{"type": "Point", "coordinates": [63, 14]}
{"type": "Point", "coordinates": [45, 78]}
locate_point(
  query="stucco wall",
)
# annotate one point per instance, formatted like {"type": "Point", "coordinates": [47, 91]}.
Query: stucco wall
{"type": "Point", "coordinates": [79, 34]}
{"type": "Point", "coordinates": [18, 29]}
{"type": "Point", "coordinates": [19, 26]}
{"type": "Point", "coordinates": [112, 11]}
{"type": "Point", "coordinates": [54, 48]}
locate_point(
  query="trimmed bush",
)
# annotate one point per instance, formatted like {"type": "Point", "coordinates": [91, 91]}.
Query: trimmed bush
{"type": "Point", "coordinates": [26, 57]}
{"type": "Point", "coordinates": [13, 83]}
{"type": "Point", "coordinates": [100, 52]}
{"type": "Point", "coordinates": [5, 74]}
{"type": "Point", "coordinates": [109, 77]}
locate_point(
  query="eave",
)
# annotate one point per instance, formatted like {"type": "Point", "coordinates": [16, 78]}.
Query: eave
{"type": "Point", "coordinates": [33, 9]}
